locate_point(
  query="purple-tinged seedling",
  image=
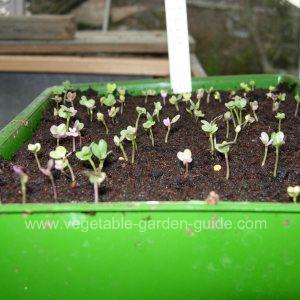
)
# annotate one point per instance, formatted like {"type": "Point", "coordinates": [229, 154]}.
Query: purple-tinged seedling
{"type": "Point", "coordinates": [294, 192]}
{"type": "Point", "coordinates": [277, 141]}
{"type": "Point", "coordinates": [47, 172]}
{"type": "Point", "coordinates": [96, 178]}
{"type": "Point", "coordinates": [264, 137]}
{"type": "Point", "coordinates": [130, 135]}
{"type": "Point", "coordinates": [118, 142]}
{"type": "Point", "coordinates": [112, 113]}
{"type": "Point", "coordinates": [71, 97]}
{"type": "Point", "coordinates": [157, 109]}
{"type": "Point", "coordinates": [75, 132]}
{"type": "Point", "coordinates": [254, 107]}
{"type": "Point", "coordinates": [101, 152]}
{"type": "Point", "coordinates": [186, 158]}
{"type": "Point", "coordinates": [85, 154]}
{"type": "Point", "coordinates": [23, 181]}
{"type": "Point", "coordinates": [61, 161]}
{"type": "Point", "coordinates": [35, 148]}
{"type": "Point", "coordinates": [148, 126]}
{"type": "Point", "coordinates": [167, 122]}
{"type": "Point", "coordinates": [164, 95]}
{"type": "Point", "coordinates": [66, 113]}
{"type": "Point", "coordinates": [140, 111]}
{"type": "Point", "coordinates": [67, 86]}
{"type": "Point", "coordinates": [59, 132]}
{"type": "Point", "coordinates": [100, 118]}
{"type": "Point", "coordinates": [280, 116]}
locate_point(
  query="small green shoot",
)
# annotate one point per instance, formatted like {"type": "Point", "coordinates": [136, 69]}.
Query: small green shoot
{"type": "Point", "coordinates": [174, 101]}
{"type": "Point", "coordinates": [101, 152]}
{"type": "Point", "coordinates": [148, 126]}
{"type": "Point", "coordinates": [85, 154]}
{"type": "Point", "coordinates": [130, 135]}
{"type": "Point", "coordinates": [61, 161]}
{"type": "Point", "coordinates": [118, 142]}
{"type": "Point", "coordinates": [254, 107]}
{"type": "Point", "coordinates": [210, 128]}
{"type": "Point", "coordinates": [66, 113]}
{"type": "Point", "coordinates": [148, 93]}
{"type": "Point", "coordinates": [224, 149]}
{"type": "Point", "coordinates": [112, 113]}
{"type": "Point", "coordinates": [96, 178]}
{"type": "Point", "coordinates": [264, 137]}
{"type": "Point", "coordinates": [140, 111]}
{"type": "Point", "coordinates": [35, 148]}
{"type": "Point", "coordinates": [157, 109]}
{"type": "Point", "coordinates": [89, 104]}
{"type": "Point", "coordinates": [294, 192]}
{"type": "Point", "coordinates": [59, 132]}
{"type": "Point", "coordinates": [277, 141]}
{"type": "Point", "coordinates": [280, 116]}
{"type": "Point", "coordinates": [100, 118]}
{"type": "Point", "coordinates": [186, 158]}
{"type": "Point", "coordinates": [297, 99]}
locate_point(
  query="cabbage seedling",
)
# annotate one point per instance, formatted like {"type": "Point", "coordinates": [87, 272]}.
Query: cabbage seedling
{"type": "Point", "coordinates": [109, 101]}
{"type": "Point", "coordinates": [67, 86]}
{"type": "Point", "coordinates": [96, 178]}
{"type": "Point", "coordinates": [157, 109]}
{"type": "Point", "coordinates": [209, 91]}
{"type": "Point", "coordinates": [164, 95]}
{"type": "Point", "coordinates": [59, 132]}
{"type": "Point", "coordinates": [278, 141]}
{"type": "Point", "coordinates": [280, 117]}
{"type": "Point", "coordinates": [186, 97]}
{"type": "Point", "coordinates": [267, 142]}
{"type": "Point", "coordinates": [75, 132]}
{"type": "Point", "coordinates": [245, 87]}
{"type": "Point", "coordinates": [110, 88]}
{"type": "Point", "coordinates": [85, 154]}
{"type": "Point", "coordinates": [174, 101]}
{"type": "Point", "coordinates": [89, 104]}
{"type": "Point", "coordinates": [100, 118]}
{"type": "Point", "coordinates": [112, 113]}
{"type": "Point", "coordinates": [193, 106]}
{"type": "Point", "coordinates": [198, 114]}
{"type": "Point", "coordinates": [248, 120]}
{"type": "Point", "coordinates": [297, 99]}
{"type": "Point", "coordinates": [140, 111]}
{"type": "Point", "coordinates": [210, 129]}
{"type": "Point", "coordinates": [294, 192]}
{"type": "Point", "coordinates": [227, 116]}
{"type": "Point", "coordinates": [47, 172]}
{"type": "Point", "coordinates": [200, 94]}
{"type": "Point", "coordinates": [148, 93]}
{"type": "Point", "coordinates": [57, 100]}
{"type": "Point", "coordinates": [148, 126]}
{"type": "Point", "coordinates": [186, 158]}
{"type": "Point", "coordinates": [122, 102]}
{"type": "Point", "coordinates": [71, 97]}
{"type": "Point", "coordinates": [61, 161]}
{"type": "Point", "coordinates": [236, 106]}
{"type": "Point", "coordinates": [224, 149]}
{"type": "Point", "coordinates": [100, 151]}
{"type": "Point", "coordinates": [35, 148]}
{"type": "Point", "coordinates": [130, 135]}
{"type": "Point", "coordinates": [167, 122]}
{"type": "Point", "coordinates": [217, 96]}
{"type": "Point", "coordinates": [230, 105]}
{"type": "Point", "coordinates": [118, 142]}
{"type": "Point", "coordinates": [254, 107]}
{"type": "Point", "coordinates": [23, 181]}
{"type": "Point", "coordinates": [66, 113]}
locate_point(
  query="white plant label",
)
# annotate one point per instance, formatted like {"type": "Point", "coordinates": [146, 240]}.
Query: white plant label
{"type": "Point", "coordinates": [178, 46]}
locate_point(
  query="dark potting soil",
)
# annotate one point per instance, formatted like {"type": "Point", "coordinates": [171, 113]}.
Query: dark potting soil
{"type": "Point", "coordinates": [157, 174]}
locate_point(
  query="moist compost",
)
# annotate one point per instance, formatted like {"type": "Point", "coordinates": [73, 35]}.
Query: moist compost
{"type": "Point", "coordinates": [157, 174]}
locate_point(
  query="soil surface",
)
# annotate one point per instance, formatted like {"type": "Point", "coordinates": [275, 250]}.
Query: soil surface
{"type": "Point", "coordinates": [157, 174]}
